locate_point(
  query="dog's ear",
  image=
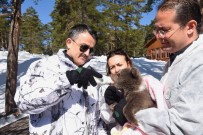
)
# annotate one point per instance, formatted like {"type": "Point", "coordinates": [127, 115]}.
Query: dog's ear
{"type": "Point", "coordinates": [135, 73]}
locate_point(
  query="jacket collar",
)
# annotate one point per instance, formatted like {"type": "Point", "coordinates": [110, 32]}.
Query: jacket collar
{"type": "Point", "coordinates": [172, 56]}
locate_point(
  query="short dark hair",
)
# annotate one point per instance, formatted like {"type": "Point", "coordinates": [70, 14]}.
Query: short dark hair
{"type": "Point", "coordinates": [186, 10]}
{"type": "Point", "coordinates": [112, 53]}
{"type": "Point", "coordinates": [80, 28]}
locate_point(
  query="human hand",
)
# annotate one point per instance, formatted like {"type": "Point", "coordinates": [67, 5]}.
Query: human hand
{"type": "Point", "coordinates": [112, 95]}
{"type": "Point", "coordinates": [73, 76]}
{"type": "Point", "coordinates": [118, 112]}
{"type": "Point", "coordinates": [83, 77]}
{"type": "Point", "coordinates": [86, 77]}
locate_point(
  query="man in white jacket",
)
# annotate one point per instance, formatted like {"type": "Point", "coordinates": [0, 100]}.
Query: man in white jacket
{"type": "Point", "coordinates": [177, 26]}
{"type": "Point", "coordinates": [58, 92]}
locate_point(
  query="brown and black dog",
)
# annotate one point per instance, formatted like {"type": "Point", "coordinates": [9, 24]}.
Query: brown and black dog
{"type": "Point", "coordinates": [135, 92]}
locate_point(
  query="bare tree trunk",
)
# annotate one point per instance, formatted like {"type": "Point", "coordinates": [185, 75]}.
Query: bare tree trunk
{"type": "Point", "coordinates": [12, 63]}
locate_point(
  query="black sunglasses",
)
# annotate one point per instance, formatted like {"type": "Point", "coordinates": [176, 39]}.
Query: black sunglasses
{"type": "Point", "coordinates": [84, 47]}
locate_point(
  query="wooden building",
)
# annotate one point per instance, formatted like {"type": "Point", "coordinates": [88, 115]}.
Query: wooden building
{"type": "Point", "coordinates": [154, 50]}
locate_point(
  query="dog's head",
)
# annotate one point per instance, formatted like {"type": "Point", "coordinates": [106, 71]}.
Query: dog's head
{"type": "Point", "coordinates": [129, 79]}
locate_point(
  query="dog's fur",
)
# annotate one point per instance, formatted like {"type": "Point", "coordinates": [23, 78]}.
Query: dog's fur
{"type": "Point", "coordinates": [135, 92]}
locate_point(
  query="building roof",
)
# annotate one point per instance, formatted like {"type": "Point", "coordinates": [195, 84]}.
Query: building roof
{"type": "Point", "coordinates": [150, 42]}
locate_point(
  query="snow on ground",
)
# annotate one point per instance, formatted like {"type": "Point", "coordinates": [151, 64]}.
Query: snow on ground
{"type": "Point", "coordinates": [146, 66]}
{"type": "Point", "coordinates": [24, 60]}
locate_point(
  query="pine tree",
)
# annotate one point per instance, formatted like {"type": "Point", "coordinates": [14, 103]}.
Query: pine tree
{"type": "Point", "coordinates": [67, 13]}
{"type": "Point", "coordinates": [122, 20]}
{"type": "Point", "coordinates": [31, 36]}
{"type": "Point", "coordinates": [47, 39]}
{"type": "Point", "coordinates": [4, 32]}
{"type": "Point", "coordinates": [5, 20]}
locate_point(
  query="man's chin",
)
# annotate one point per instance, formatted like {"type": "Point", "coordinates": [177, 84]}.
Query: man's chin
{"type": "Point", "coordinates": [81, 62]}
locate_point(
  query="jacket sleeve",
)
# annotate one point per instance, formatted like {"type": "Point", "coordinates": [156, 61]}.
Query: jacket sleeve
{"type": "Point", "coordinates": [41, 87]}
{"type": "Point", "coordinates": [105, 112]}
{"type": "Point", "coordinates": [184, 115]}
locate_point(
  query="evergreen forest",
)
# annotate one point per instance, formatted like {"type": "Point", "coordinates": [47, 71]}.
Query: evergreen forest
{"type": "Point", "coordinates": [117, 23]}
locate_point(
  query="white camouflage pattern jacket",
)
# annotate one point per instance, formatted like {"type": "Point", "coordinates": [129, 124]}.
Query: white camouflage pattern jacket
{"type": "Point", "coordinates": [55, 106]}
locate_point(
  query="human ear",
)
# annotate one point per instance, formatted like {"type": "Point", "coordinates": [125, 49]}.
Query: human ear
{"type": "Point", "coordinates": [191, 26]}
{"type": "Point", "coordinates": [68, 43]}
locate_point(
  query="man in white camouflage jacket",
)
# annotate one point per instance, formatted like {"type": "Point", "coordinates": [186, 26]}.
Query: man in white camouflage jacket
{"type": "Point", "coordinates": [59, 92]}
